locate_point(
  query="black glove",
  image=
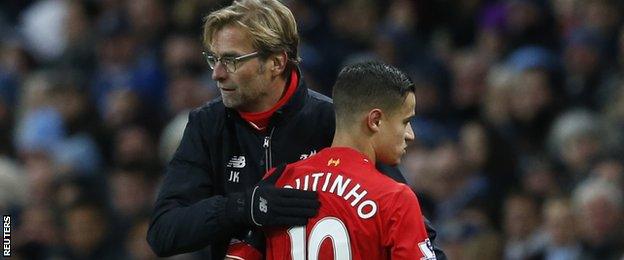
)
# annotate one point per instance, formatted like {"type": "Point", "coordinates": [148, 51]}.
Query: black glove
{"type": "Point", "coordinates": [265, 205]}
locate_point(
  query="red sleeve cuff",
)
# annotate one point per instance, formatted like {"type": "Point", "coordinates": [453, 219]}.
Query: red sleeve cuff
{"type": "Point", "coordinates": [243, 251]}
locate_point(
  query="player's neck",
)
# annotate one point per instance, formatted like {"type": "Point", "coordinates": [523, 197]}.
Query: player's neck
{"type": "Point", "coordinates": [353, 140]}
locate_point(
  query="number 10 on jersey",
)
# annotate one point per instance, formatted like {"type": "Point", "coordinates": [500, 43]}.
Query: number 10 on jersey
{"type": "Point", "coordinates": [328, 227]}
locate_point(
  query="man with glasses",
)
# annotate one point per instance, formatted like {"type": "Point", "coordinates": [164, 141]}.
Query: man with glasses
{"type": "Point", "coordinates": [265, 117]}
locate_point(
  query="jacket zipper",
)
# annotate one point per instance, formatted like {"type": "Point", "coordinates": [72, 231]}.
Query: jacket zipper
{"type": "Point", "coordinates": [267, 151]}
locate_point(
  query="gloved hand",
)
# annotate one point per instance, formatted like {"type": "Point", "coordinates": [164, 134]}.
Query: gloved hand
{"type": "Point", "coordinates": [265, 205]}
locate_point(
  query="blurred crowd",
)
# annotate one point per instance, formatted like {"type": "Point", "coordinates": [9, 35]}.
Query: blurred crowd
{"type": "Point", "coordinates": [520, 126]}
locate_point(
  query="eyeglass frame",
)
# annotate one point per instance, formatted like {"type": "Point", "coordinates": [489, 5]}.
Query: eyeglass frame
{"type": "Point", "coordinates": [235, 61]}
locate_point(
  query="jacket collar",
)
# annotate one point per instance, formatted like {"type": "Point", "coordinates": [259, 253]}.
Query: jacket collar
{"type": "Point", "coordinates": [297, 100]}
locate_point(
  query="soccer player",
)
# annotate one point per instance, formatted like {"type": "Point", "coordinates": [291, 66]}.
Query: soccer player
{"type": "Point", "coordinates": [364, 214]}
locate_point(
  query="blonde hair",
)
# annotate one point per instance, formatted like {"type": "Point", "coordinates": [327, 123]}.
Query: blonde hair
{"type": "Point", "coordinates": [271, 25]}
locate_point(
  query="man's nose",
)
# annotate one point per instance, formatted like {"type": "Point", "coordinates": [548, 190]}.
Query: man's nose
{"type": "Point", "coordinates": [219, 73]}
{"type": "Point", "coordinates": [409, 134]}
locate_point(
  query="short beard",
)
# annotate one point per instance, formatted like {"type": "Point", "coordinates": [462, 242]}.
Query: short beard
{"type": "Point", "coordinates": [261, 69]}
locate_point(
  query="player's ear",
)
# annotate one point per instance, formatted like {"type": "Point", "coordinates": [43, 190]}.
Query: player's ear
{"type": "Point", "coordinates": [373, 119]}
{"type": "Point", "coordinates": [278, 63]}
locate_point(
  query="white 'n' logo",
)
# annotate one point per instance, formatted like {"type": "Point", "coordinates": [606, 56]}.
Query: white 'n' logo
{"type": "Point", "coordinates": [263, 205]}
{"type": "Point", "coordinates": [237, 162]}
{"type": "Point", "coordinates": [305, 156]}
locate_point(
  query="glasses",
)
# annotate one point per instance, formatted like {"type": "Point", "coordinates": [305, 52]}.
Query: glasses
{"type": "Point", "coordinates": [230, 63]}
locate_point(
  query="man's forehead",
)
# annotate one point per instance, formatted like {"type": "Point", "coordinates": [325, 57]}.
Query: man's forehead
{"type": "Point", "coordinates": [408, 107]}
{"type": "Point", "coordinates": [231, 39]}
{"type": "Point", "coordinates": [409, 104]}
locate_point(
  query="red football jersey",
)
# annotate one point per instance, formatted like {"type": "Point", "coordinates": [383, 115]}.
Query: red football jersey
{"type": "Point", "coordinates": [363, 215]}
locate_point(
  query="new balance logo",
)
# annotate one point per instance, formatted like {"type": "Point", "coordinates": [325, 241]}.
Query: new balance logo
{"type": "Point", "coordinates": [237, 162]}
{"type": "Point", "coordinates": [263, 205]}
{"type": "Point", "coordinates": [305, 156]}
{"type": "Point", "coordinates": [333, 162]}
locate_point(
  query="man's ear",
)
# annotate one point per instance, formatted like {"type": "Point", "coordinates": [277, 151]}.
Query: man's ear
{"type": "Point", "coordinates": [278, 63]}
{"type": "Point", "coordinates": [373, 119]}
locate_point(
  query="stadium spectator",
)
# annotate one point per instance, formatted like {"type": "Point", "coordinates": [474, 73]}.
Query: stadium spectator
{"type": "Point", "coordinates": [599, 205]}
{"type": "Point", "coordinates": [562, 234]}
{"type": "Point", "coordinates": [524, 238]}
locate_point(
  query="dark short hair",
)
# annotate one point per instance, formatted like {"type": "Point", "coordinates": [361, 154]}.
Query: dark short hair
{"type": "Point", "coordinates": [364, 86]}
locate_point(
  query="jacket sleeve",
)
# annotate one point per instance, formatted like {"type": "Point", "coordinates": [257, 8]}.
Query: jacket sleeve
{"type": "Point", "coordinates": [395, 174]}
{"type": "Point", "coordinates": [186, 215]}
